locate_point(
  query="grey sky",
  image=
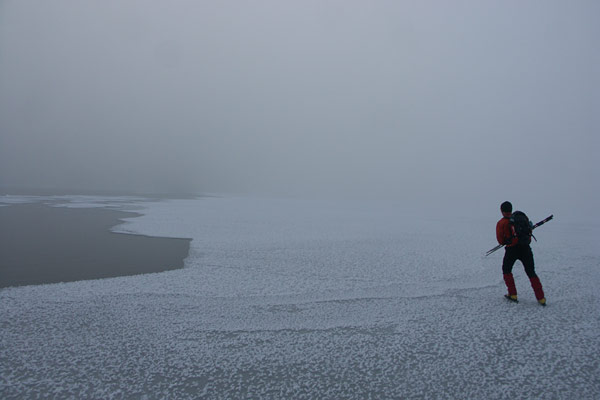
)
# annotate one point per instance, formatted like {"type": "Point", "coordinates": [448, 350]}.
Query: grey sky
{"type": "Point", "coordinates": [456, 102]}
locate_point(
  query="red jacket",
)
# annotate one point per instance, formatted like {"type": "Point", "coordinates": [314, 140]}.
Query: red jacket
{"type": "Point", "coordinates": [504, 233]}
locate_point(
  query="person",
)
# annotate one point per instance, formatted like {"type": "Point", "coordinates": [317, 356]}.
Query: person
{"type": "Point", "coordinates": [516, 250]}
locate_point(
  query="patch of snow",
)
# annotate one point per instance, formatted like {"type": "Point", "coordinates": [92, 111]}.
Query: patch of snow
{"type": "Point", "coordinates": [283, 298]}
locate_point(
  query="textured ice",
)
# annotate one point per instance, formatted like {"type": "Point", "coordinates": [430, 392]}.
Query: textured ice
{"type": "Point", "coordinates": [285, 298]}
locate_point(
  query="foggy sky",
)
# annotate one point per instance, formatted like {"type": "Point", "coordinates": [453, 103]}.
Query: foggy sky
{"type": "Point", "coordinates": [460, 103]}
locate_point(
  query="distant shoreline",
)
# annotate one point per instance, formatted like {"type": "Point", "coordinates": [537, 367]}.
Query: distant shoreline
{"type": "Point", "coordinates": [26, 191]}
{"type": "Point", "coordinates": [41, 244]}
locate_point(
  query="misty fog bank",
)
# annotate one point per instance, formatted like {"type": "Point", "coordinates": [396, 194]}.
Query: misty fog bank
{"type": "Point", "coordinates": [461, 104]}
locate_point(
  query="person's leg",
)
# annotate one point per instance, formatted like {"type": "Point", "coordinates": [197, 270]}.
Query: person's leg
{"type": "Point", "coordinates": [510, 257]}
{"type": "Point", "coordinates": [529, 264]}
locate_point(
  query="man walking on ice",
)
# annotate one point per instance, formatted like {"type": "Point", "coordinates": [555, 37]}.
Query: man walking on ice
{"type": "Point", "coordinates": [515, 232]}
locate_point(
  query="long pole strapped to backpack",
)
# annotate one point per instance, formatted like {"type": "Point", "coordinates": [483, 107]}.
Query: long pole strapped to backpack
{"type": "Point", "coordinates": [542, 222]}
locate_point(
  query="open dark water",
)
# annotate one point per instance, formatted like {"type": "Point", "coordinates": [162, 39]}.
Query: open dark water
{"type": "Point", "coordinates": [42, 244]}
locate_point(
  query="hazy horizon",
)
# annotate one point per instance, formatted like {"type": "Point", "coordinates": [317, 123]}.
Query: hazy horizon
{"type": "Point", "coordinates": [451, 104]}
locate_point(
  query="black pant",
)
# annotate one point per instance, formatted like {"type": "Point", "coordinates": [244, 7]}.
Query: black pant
{"type": "Point", "coordinates": [522, 253]}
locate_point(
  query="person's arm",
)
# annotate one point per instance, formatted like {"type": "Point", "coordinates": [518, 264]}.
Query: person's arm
{"type": "Point", "coordinates": [503, 233]}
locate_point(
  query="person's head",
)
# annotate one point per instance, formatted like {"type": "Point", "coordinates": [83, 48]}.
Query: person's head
{"type": "Point", "coordinates": [506, 208]}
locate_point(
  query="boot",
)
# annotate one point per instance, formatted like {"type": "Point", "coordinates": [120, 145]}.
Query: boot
{"type": "Point", "coordinates": [542, 302]}
{"type": "Point", "coordinates": [512, 298]}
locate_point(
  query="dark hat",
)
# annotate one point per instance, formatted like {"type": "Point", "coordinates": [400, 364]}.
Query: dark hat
{"type": "Point", "coordinates": [506, 207]}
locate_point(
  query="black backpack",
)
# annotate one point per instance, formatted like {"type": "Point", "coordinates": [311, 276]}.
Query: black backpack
{"type": "Point", "coordinates": [522, 227]}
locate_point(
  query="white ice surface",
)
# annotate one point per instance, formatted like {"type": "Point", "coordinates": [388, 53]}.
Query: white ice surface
{"type": "Point", "coordinates": [284, 298]}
